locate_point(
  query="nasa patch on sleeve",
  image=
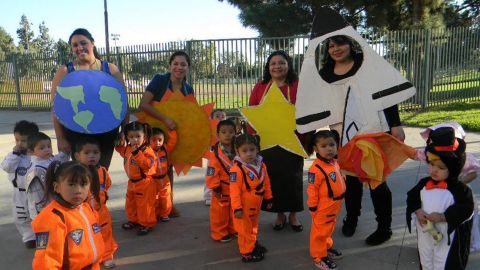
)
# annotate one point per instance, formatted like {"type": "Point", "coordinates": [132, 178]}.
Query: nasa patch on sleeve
{"type": "Point", "coordinates": [233, 177]}
{"type": "Point", "coordinates": [96, 228]}
{"type": "Point", "coordinates": [333, 176]}
{"type": "Point", "coordinates": [311, 177]}
{"type": "Point", "coordinates": [210, 171]}
{"type": "Point", "coordinates": [41, 239]}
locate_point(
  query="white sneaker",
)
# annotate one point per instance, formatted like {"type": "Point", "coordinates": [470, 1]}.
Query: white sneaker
{"type": "Point", "coordinates": [208, 202]}
{"type": "Point", "coordinates": [108, 264]}
{"type": "Point", "coordinates": [165, 219]}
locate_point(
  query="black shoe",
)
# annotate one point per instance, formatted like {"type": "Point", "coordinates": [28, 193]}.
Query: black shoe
{"type": "Point", "coordinates": [226, 239]}
{"type": "Point", "coordinates": [129, 225]}
{"type": "Point", "coordinates": [349, 226]}
{"type": "Point", "coordinates": [260, 249]}
{"type": "Point", "coordinates": [252, 257]}
{"type": "Point", "coordinates": [279, 227]}
{"type": "Point", "coordinates": [31, 244]}
{"type": "Point", "coordinates": [334, 254]}
{"type": "Point", "coordinates": [143, 230]}
{"type": "Point", "coordinates": [297, 228]}
{"type": "Point", "coordinates": [378, 237]}
{"type": "Point", "coordinates": [331, 264]}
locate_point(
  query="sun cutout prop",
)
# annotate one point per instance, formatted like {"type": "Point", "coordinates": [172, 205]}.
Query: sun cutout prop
{"type": "Point", "coordinates": [274, 121]}
{"type": "Point", "coordinates": [193, 128]}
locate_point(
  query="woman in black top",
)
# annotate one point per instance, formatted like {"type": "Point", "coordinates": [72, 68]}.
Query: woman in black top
{"type": "Point", "coordinates": [175, 79]}
{"type": "Point", "coordinates": [342, 60]}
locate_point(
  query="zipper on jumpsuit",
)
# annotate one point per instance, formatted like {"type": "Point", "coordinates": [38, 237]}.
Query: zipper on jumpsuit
{"type": "Point", "coordinates": [90, 235]}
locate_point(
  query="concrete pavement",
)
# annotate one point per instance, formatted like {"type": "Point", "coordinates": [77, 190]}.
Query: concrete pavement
{"type": "Point", "coordinates": [184, 243]}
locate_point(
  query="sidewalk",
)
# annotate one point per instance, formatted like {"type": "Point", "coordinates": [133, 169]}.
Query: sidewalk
{"type": "Point", "coordinates": [184, 243]}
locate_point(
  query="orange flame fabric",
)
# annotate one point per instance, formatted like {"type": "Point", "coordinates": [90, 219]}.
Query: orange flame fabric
{"type": "Point", "coordinates": [373, 156]}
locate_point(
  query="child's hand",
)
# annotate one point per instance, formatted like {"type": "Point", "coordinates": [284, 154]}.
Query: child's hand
{"type": "Point", "coordinates": [121, 139]}
{"type": "Point", "coordinates": [436, 217]}
{"type": "Point", "coordinates": [238, 214]}
{"type": "Point", "coordinates": [18, 149]}
{"type": "Point", "coordinates": [269, 206]}
{"type": "Point", "coordinates": [217, 192]}
{"type": "Point", "coordinates": [140, 148]}
{"type": "Point", "coordinates": [421, 216]}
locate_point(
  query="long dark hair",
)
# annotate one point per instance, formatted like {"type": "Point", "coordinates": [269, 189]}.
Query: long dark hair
{"type": "Point", "coordinates": [327, 60]}
{"type": "Point", "coordinates": [291, 75]}
{"type": "Point", "coordinates": [84, 32]}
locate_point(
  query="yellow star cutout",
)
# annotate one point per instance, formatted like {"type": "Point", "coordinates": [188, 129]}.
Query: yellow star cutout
{"type": "Point", "coordinates": [274, 121]}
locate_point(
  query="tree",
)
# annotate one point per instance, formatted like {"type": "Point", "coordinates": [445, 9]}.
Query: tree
{"type": "Point", "coordinates": [233, 64]}
{"type": "Point", "coordinates": [6, 43]}
{"type": "Point", "coordinates": [25, 33]}
{"type": "Point", "coordinates": [44, 42]}
{"type": "Point", "coordinates": [7, 48]}
{"type": "Point", "coordinates": [293, 17]}
{"type": "Point", "coordinates": [204, 56]}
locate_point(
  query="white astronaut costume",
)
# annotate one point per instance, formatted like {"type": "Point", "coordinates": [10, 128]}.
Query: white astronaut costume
{"type": "Point", "coordinates": [17, 165]}
{"type": "Point", "coordinates": [36, 180]}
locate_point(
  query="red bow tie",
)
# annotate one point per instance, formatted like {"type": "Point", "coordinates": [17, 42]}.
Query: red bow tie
{"type": "Point", "coordinates": [436, 184]}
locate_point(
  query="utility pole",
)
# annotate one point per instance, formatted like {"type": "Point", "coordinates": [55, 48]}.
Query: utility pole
{"type": "Point", "coordinates": [107, 44]}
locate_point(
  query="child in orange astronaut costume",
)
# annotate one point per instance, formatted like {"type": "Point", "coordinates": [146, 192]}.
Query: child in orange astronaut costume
{"type": "Point", "coordinates": [326, 188]}
{"type": "Point", "coordinates": [217, 179]}
{"type": "Point", "coordinates": [249, 185]}
{"type": "Point", "coordinates": [67, 229]}
{"type": "Point", "coordinates": [87, 152]}
{"type": "Point", "coordinates": [140, 166]}
{"type": "Point", "coordinates": [162, 148]}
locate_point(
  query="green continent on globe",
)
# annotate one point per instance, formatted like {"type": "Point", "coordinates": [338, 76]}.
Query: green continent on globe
{"type": "Point", "coordinates": [112, 96]}
{"type": "Point", "coordinates": [83, 118]}
{"type": "Point", "coordinates": [74, 94]}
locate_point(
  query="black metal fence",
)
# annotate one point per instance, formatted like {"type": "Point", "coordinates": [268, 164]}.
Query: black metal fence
{"type": "Point", "coordinates": [443, 64]}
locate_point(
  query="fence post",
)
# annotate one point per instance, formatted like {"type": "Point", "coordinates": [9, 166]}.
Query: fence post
{"type": "Point", "coordinates": [427, 70]}
{"type": "Point", "coordinates": [17, 82]}
{"type": "Point", "coordinates": [188, 49]}
{"type": "Point", "coordinates": [119, 59]}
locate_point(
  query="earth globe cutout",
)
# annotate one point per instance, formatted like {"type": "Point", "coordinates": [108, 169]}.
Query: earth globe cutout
{"type": "Point", "coordinates": [90, 102]}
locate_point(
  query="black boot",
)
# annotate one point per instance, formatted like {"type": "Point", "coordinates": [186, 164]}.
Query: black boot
{"type": "Point", "coordinates": [382, 205]}
{"type": "Point", "coordinates": [378, 237]}
{"type": "Point", "coordinates": [349, 226]}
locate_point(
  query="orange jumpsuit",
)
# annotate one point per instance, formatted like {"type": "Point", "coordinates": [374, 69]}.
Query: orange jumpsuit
{"type": "Point", "coordinates": [105, 219]}
{"type": "Point", "coordinates": [217, 179]}
{"type": "Point", "coordinates": [326, 188]}
{"type": "Point", "coordinates": [67, 238]}
{"type": "Point", "coordinates": [141, 191]}
{"type": "Point", "coordinates": [162, 180]}
{"type": "Point", "coordinates": [248, 187]}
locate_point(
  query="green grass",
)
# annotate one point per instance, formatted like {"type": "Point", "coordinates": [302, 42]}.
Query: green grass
{"type": "Point", "coordinates": [467, 114]}
{"type": "Point", "coordinates": [456, 86]}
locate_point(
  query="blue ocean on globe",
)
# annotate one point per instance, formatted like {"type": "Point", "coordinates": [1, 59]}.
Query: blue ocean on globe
{"type": "Point", "coordinates": [90, 101]}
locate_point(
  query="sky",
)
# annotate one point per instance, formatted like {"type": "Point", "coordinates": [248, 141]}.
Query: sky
{"type": "Point", "coordinates": [137, 21]}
